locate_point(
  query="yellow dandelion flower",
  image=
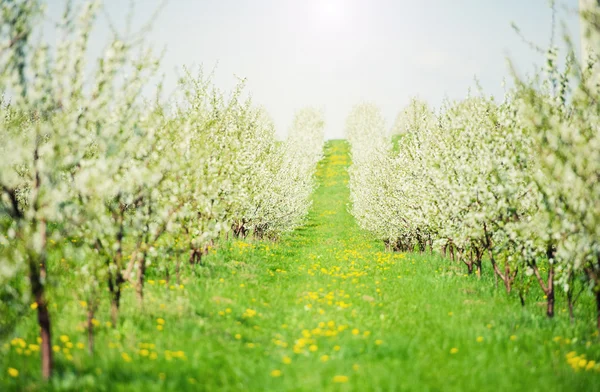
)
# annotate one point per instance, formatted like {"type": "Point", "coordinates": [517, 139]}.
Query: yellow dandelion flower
{"type": "Point", "coordinates": [324, 358]}
{"type": "Point", "coordinates": [479, 339]}
{"type": "Point", "coordinates": [336, 348]}
{"type": "Point", "coordinates": [64, 338]}
{"type": "Point", "coordinates": [160, 321]}
{"type": "Point", "coordinates": [276, 373]}
{"type": "Point", "coordinates": [126, 357]}
{"type": "Point", "coordinates": [453, 350]}
{"type": "Point", "coordinates": [340, 379]}
{"type": "Point", "coordinates": [287, 360]}
{"type": "Point", "coordinates": [238, 336]}
{"type": "Point", "coordinates": [355, 331]}
{"type": "Point", "coordinates": [13, 372]}
{"type": "Point", "coordinates": [513, 337]}
{"type": "Point", "coordinates": [34, 306]}
{"type": "Point", "coordinates": [159, 327]}
{"type": "Point", "coordinates": [379, 342]}
{"type": "Point", "coordinates": [313, 347]}
{"type": "Point", "coordinates": [355, 367]}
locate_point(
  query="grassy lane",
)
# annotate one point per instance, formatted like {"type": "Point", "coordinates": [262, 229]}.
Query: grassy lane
{"type": "Point", "coordinates": [323, 309]}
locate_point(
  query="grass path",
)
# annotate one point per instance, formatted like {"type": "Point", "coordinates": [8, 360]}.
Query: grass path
{"type": "Point", "coordinates": [325, 308]}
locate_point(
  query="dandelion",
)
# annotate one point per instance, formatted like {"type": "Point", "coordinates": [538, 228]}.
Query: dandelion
{"type": "Point", "coordinates": [313, 347]}
{"type": "Point", "coordinates": [126, 357]}
{"type": "Point", "coordinates": [238, 336]}
{"type": "Point", "coordinates": [64, 338]}
{"type": "Point", "coordinates": [34, 306]}
{"type": "Point", "coordinates": [378, 342]}
{"type": "Point", "coordinates": [479, 339]}
{"type": "Point", "coordinates": [513, 337]}
{"type": "Point", "coordinates": [276, 373]}
{"type": "Point", "coordinates": [355, 331]}
{"type": "Point", "coordinates": [453, 350]}
{"type": "Point", "coordinates": [340, 379]}
{"type": "Point", "coordinates": [336, 348]}
{"type": "Point", "coordinates": [324, 358]}
{"type": "Point", "coordinates": [13, 372]}
{"type": "Point", "coordinates": [160, 321]}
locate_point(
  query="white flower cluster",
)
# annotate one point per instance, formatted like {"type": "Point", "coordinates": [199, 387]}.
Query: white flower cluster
{"type": "Point", "coordinates": [516, 182]}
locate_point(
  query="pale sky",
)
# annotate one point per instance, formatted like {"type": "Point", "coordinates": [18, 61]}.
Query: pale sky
{"type": "Point", "coordinates": [334, 54]}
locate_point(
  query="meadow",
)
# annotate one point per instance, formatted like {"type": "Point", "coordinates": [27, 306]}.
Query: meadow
{"type": "Point", "coordinates": [326, 307]}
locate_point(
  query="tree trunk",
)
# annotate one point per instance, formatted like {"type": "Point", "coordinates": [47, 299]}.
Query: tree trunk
{"type": "Point", "coordinates": [178, 268]}
{"type": "Point", "coordinates": [90, 328]}
{"type": "Point", "coordinates": [37, 275]}
{"type": "Point", "coordinates": [114, 285]}
{"type": "Point", "coordinates": [598, 308]}
{"type": "Point", "coordinates": [139, 287]}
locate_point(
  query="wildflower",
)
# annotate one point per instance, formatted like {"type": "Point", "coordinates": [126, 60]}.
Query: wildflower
{"type": "Point", "coordinates": [355, 367]}
{"type": "Point", "coordinates": [238, 336]}
{"type": "Point", "coordinates": [355, 331]}
{"type": "Point", "coordinates": [453, 350]}
{"type": "Point", "coordinates": [287, 360]}
{"type": "Point", "coordinates": [126, 357]}
{"type": "Point", "coordinates": [313, 347]}
{"type": "Point", "coordinates": [160, 321]}
{"type": "Point", "coordinates": [64, 338]}
{"type": "Point", "coordinates": [13, 372]}
{"type": "Point", "coordinates": [513, 337]}
{"type": "Point", "coordinates": [479, 339]}
{"type": "Point", "coordinates": [336, 348]}
{"type": "Point", "coordinates": [33, 306]}
{"type": "Point", "coordinates": [324, 358]}
{"type": "Point", "coordinates": [276, 373]}
{"type": "Point", "coordinates": [378, 342]}
{"type": "Point", "coordinates": [340, 379]}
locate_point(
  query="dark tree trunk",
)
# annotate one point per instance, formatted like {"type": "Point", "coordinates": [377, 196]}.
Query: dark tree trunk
{"type": "Point", "coordinates": [90, 327]}
{"type": "Point", "coordinates": [37, 272]}
{"type": "Point", "coordinates": [139, 287]}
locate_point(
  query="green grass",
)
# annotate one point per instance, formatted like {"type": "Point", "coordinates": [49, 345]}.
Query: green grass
{"type": "Point", "coordinates": [386, 322]}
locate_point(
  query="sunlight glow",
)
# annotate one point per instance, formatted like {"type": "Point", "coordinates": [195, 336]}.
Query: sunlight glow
{"type": "Point", "coordinates": [331, 13]}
